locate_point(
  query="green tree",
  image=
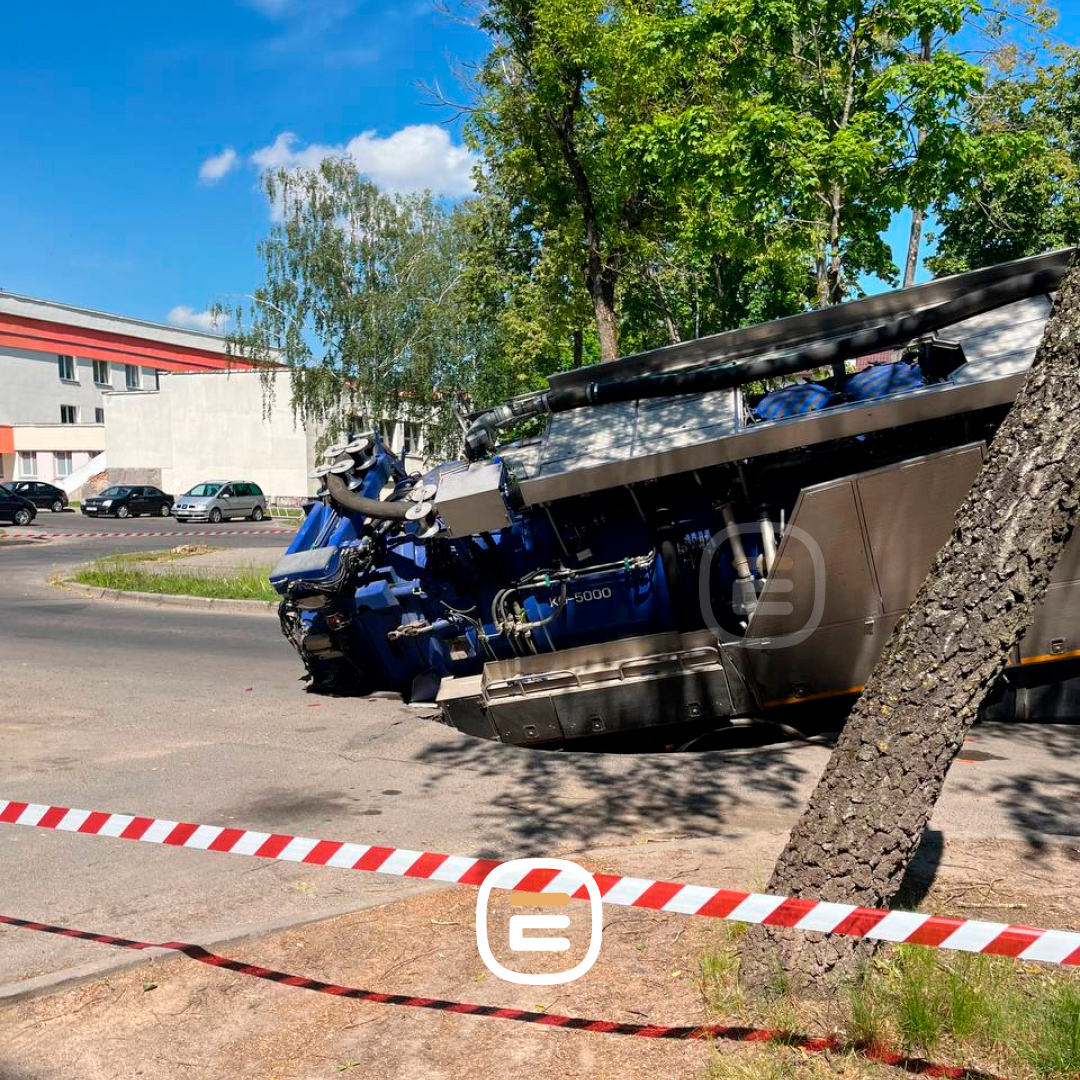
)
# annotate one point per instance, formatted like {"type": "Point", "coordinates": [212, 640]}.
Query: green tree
{"type": "Point", "coordinates": [558, 98]}
{"type": "Point", "coordinates": [811, 124]}
{"type": "Point", "coordinates": [1027, 200]}
{"type": "Point", "coordinates": [365, 298]}
{"type": "Point", "coordinates": [678, 170]}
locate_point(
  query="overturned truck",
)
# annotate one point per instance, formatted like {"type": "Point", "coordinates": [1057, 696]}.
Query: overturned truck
{"type": "Point", "coordinates": [702, 537]}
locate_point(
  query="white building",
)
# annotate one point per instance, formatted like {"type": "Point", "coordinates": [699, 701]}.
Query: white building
{"type": "Point", "coordinates": [59, 366]}
{"type": "Point", "coordinates": [215, 426]}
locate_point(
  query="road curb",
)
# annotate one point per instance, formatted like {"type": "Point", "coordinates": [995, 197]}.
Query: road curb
{"type": "Point", "coordinates": [56, 982]}
{"type": "Point", "coordinates": [203, 603]}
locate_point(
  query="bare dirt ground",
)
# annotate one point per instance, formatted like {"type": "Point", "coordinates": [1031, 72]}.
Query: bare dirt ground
{"type": "Point", "coordinates": [177, 1018]}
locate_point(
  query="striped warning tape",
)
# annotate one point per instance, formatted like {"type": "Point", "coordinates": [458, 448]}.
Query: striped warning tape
{"type": "Point", "coordinates": [907, 927]}
{"type": "Point", "coordinates": [38, 535]}
{"type": "Point", "coordinates": [806, 1043]}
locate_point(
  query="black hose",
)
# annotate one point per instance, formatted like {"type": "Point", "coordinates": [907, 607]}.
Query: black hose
{"type": "Point", "coordinates": [345, 497]}
{"type": "Point", "coordinates": [818, 354]}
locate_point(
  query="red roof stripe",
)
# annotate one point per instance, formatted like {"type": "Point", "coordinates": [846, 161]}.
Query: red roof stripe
{"type": "Point", "coordinates": [42, 336]}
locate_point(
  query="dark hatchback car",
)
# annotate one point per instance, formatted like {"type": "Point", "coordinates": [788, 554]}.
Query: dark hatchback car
{"type": "Point", "coordinates": [128, 500]}
{"type": "Point", "coordinates": [43, 496]}
{"type": "Point", "coordinates": [15, 508]}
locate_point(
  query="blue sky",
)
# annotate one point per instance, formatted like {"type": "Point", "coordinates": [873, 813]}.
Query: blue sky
{"type": "Point", "coordinates": [111, 109]}
{"type": "Point", "coordinates": [135, 132]}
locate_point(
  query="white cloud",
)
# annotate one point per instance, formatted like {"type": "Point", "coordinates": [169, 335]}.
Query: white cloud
{"type": "Point", "coordinates": [420, 157]}
{"type": "Point", "coordinates": [218, 165]}
{"type": "Point", "coordinates": [190, 319]}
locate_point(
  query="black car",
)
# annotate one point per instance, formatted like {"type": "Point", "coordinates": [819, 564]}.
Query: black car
{"type": "Point", "coordinates": [15, 508]}
{"type": "Point", "coordinates": [129, 500]}
{"type": "Point", "coordinates": [43, 496]}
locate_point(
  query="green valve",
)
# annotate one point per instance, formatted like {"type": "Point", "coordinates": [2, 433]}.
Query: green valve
{"type": "Point", "coordinates": [547, 580]}
{"type": "Point", "coordinates": [626, 565]}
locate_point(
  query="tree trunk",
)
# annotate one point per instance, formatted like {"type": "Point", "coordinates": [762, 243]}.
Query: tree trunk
{"type": "Point", "coordinates": [911, 267]}
{"type": "Point", "coordinates": [868, 812]}
{"type": "Point", "coordinates": [836, 262]}
{"type": "Point", "coordinates": [600, 274]}
{"type": "Point", "coordinates": [601, 285]}
{"type": "Point", "coordinates": [918, 213]}
{"type": "Point", "coordinates": [821, 272]}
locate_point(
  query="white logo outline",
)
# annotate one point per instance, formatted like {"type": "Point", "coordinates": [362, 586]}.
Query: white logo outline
{"type": "Point", "coordinates": [596, 928]}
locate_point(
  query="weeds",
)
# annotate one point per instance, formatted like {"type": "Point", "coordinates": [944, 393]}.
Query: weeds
{"type": "Point", "coordinates": [719, 970]}
{"type": "Point", "coordinates": [919, 1004]}
{"type": "Point", "coordinates": [248, 584]}
{"type": "Point", "coordinates": [868, 1023]}
{"type": "Point", "coordinates": [185, 551]}
{"type": "Point", "coordinates": [1052, 1047]}
{"type": "Point", "coordinates": [762, 1065]}
{"type": "Point", "coordinates": [1015, 1018]}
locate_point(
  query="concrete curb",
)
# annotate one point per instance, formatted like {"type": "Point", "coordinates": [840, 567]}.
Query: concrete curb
{"type": "Point", "coordinates": [203, 603]}
{"type": "Point", "coordinates": [57, 981]}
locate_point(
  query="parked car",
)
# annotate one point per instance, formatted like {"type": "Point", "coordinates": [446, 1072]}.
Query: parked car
{"type": "Point", "coordinates": [128, 500]}
{"type": "Point", "coordinates": [43, 496]}
{"type": "Point", "coordinates": [218, 499]}
{"type": "Point", "coordinates": [14, 507]}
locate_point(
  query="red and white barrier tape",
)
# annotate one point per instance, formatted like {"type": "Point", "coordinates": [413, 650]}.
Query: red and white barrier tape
{"type": "Point", "coordinates": [809, 1044]}
{"type": "Point", "coordinates": [38, 535]}
{"type": "Point", "coordinates": [907, 927]}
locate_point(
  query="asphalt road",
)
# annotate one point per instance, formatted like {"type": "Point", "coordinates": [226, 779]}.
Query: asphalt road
{"type": "Point", "coordinates": [202, 716]}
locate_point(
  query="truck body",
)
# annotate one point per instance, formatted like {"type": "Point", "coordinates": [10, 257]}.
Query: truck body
{"type": "Point", "coordinates": [719, 532]}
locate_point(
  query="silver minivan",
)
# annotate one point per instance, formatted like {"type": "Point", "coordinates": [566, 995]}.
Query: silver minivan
{"type": "Point", "coordinates": [217, 499]}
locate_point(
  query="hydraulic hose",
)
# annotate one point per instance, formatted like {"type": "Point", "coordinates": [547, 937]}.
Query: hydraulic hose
{"type": "Point", "coordinates": [344, 496]}
{"type": "Point", "coordinates": [878, 338]}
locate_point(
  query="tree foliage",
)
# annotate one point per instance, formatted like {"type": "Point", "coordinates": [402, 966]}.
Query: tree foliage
{"type": "Point", "coordinates": [366, 300]}
{"type": "Point", "coordinates": [1027, 200]}
{"type": "Point", "coordinates": [685, 169]}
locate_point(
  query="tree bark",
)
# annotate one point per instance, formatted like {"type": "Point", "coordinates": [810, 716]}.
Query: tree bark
{"type": "Point", "coordinates": [918, 213]}
{"type": "Point", "coordinates": [867, 814]}
{"type": "Point", "coordinates": [600, 274]}
{"type": "Point", "coordinates": [911, 267]}
{"type": "Point", "coordinates": [836, 261]}
{"type": "Point", "coordinates": [601, 284]}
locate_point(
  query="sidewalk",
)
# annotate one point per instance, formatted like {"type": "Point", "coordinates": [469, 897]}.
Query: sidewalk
{"type": "Point", "coordinates": [220, 562]}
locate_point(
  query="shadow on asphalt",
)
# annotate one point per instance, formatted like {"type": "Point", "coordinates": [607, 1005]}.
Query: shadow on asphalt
{"type": "Point", "coordinates": [542, 800]}
{"type": "Point", "coordinates": [1044, 805]}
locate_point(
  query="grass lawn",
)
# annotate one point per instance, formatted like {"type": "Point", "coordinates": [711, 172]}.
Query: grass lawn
{"type": "Point", "coordinates": [1020, 1020]}
{"type": "Point", "coordinates": [123, 572]}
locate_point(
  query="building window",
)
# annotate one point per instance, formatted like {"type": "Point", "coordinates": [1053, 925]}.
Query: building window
{"type": "Point", "coordinates": [411, 444]}
{"type": "Point", "coordinates": [99, 416]}
{"type": "Point", "coordinates": [101, 372]}
{"type": "Point", "coordinates": [69, 414]}
{"type": "Point", "coordinates": [27, 463]}
{"type": "Point", "coordinates": [386, 433]}
{"type": "Point", "coordinates": [62, 463]}
{"type": "Point", "coordinates": [67, 368]}
{"type": "Point", "coordinates": [131, 376]}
